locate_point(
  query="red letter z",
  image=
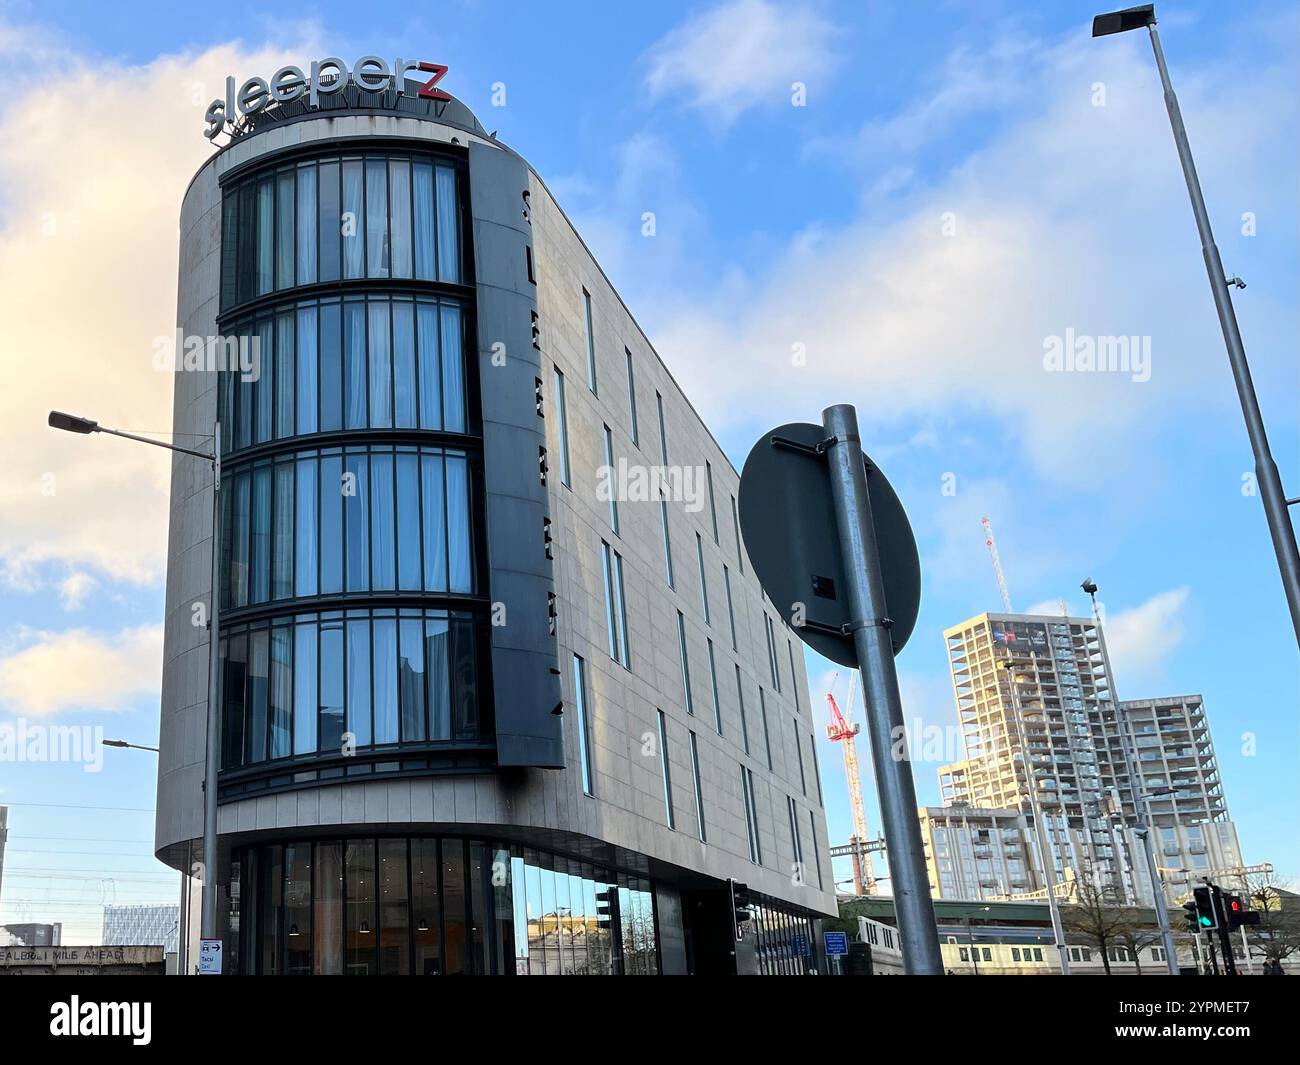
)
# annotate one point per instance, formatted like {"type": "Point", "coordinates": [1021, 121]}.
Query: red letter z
{"type": "Point", "coordinates": [427, 90]}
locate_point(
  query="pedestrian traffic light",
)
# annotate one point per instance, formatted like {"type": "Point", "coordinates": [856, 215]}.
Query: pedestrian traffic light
{"type": "Point", "coordinates": [1238, 914]}
{"type": "Point", "coordinates": [740, 902]}
{"type": "Point", "coordinates": [1189, 915]}
{"type": "Point", "coordinates": [1206, 916]}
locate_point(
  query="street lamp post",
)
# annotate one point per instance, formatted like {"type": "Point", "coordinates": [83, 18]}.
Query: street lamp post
{"type": "Point", "coordinates": [1266, 475]}
{"type": "Point", "coordinates": [1040, 825]}
{"type": "Point", "coordinates": [1142, 818]}
{"type": "Point", "coordinates": [71, 423]}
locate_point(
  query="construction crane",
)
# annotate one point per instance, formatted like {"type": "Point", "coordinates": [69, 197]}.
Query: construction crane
{"type": "Point", "coordinates": [992, 545]}
{"type": "Point", "coordinates": [840, 730]}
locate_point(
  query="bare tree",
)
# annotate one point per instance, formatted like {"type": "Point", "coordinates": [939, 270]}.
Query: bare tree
{"type": "Point", "coordinates": [1098, 916]}
{"type": "Point", "coordinates": [1135, 934]}
{"type": "Point", "coordinates": [1277, 936]}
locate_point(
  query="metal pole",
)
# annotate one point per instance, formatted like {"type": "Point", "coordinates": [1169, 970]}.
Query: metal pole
{"type": "Point", "coordinates": [882, 703]}
{"type": "Point", "coordinates": [1040, 827]}
{"type": "Point", "coordinates": [213, 759]}
{"type": "Point", "coordinates": [1266, 475]}
{"type": "Point", "coordinates": [1143, 821]}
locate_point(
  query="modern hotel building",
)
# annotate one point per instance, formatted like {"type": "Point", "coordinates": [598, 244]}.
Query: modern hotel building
{"type": "Point", "coordinates": [476, 717]}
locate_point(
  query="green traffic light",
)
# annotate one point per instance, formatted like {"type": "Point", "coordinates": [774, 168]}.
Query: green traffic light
{"type": "Point", "coordinates": [1206, 922]}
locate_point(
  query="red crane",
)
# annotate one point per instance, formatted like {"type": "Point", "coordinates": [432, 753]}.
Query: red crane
{"type": "Point", "coordinates": [840, 730]}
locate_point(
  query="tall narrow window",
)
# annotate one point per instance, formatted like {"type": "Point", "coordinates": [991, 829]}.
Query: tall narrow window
{"type": "Point", "coordinates": [591, 341]}
{"type": "Point", "coordinates": [704, 584]}
{"type": "Point", "coordinates": [584, 736]}
{"type": "Point", "coordinates": [699, 791]}
{"type": "Point", "coordinates": [713, 503]}
{"type": "Point", "coordinates": [713, 683]}
{"type": "Point", "coordinates": [668, 544]}
{"type": "Point", "coordinates": [664, 769]}
{"type": "Point", "coordinates": [731, 608]}
{"type": "Point", "coordinates": [794, 674]}
{"type": "Point", "coordinates": [663, 432]}
{"type": "Point", "coordinates": [612, 481]}
{"type": "Point", "coordinates": [631, 400]}
{"type": "Point", "coordinates": [771, 652]}
{"type": "Point", "coordinates": [740, 550]}
{"type": "Point", "coordinates": [751, 815]}
{"type": "Point", "coordinates": [744, 718]}
{"type": "Point", "coordinates": [767, 736]}
{"type": "Point", "coordinates": [686, 665]}
{"type": "Point", "coordinates": [817, 773]}
{"type": "Point", "coordinates": [796, 838]}
{"type": "Point", "coordinates": [817, 858]}
{"type": "Point", "coordinates": [798, 754]}
{"type": "Point", "coordinates": [562, 428]}
{"type": "Point", "coordinates": [615, 606]}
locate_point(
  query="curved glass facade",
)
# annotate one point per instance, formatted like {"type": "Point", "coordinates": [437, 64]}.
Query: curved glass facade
{"type": "Point", "coordinates": [433, 906]}
{"type": "Point", "coordinates": [341, 217]}
{"type": "Point", "coordinates": [354, 625]}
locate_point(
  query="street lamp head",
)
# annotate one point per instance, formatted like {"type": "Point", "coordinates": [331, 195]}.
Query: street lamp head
{"type": "Point", "coordinates": [1131, 18]}
{"type": "Point", "coordinates": [70, 423]}
{"type": "Point", "coordinates": [1089, 586]}
{"type": "Point", "coordinates": [115, 743]}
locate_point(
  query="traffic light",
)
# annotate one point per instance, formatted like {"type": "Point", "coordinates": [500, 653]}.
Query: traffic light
{"type": "Point", "coordinates": [1206, 916]}
{"type": "Point", "coordinates": [1235, 909]}
{"type": "Point", "coordinates": [606, 907]}
{"type": "Point", "coordinates": [1189, 915]}
{"type": "Point", "coordinates": [740, 903]}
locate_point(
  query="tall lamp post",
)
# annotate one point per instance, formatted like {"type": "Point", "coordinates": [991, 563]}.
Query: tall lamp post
{"type": "Point", "coordinates": [1266, 475]}
{"type": "Point", "coordinates": [1040, 823]}
{"type": "Point", "coordinates": [71, 423]}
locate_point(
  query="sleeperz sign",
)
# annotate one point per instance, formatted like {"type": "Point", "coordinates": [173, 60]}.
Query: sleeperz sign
{"type": "Point", "coordinates": [323, 78]}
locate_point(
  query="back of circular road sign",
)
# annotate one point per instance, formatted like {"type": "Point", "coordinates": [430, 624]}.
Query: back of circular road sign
{"type": "Point", "coordinates": [787, 518]}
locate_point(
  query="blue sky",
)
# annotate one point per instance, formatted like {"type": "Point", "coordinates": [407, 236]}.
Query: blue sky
{"type": "Point", "coordinates": [963, 182]}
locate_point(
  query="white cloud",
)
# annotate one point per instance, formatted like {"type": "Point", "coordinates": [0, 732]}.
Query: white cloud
{"type": "Point", "coordinates": [74, 589]}
{"type": "Point", "coordinates": [1141, 638]}
{"type": "Point", "coordinates": [95, 164]}
{"type": "Point", "coordinates": [740, 55]}
{"type": "Point", "coordinates": [46, 673]}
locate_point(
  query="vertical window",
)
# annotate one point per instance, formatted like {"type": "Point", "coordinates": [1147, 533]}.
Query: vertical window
{"type": "Point", "coordinates": [422, 197]}
{"type": "Point", "coordinates": [358, 682]}
{"type": "Point", "coordinates": [411, 690]}
{"type": "Point", "coordinates": [331, 228]}
{"type": "Point", "coordinates": [259, 685]}
{"type": "Point", "coordinates": [327, 919]}
{"type": "Point", "coordinates": [663, 432]}
{"type": "Point", "coordinates": [668, 544]}
{"type": "Point", "coordinates": [282, 545]}
{"type": "Point", "coordinates": [744, 719]}
{"type": "Point", "coordinates": [376, 218]}
{"type": "Point", "coordinates": [612, 481]}
{"type": "Point", "coordinates": [713, 503]}
{"type": "Point", "coordinates": [435, 523]}
{"type": "Point", "coordinates": [699, 791]}
{"type": "Point", "coordinates": [751, 815]}
{"type": "Point", "coordinates": [352, 225]}
{"type": "Point", "coordinates": [591, 341]}
{"type": "Point", "coordinates": [356, 504]}
{"type": "Point", "coordinates": [584, 736]}
{"type": "Point", "coordinates": [794, 674]}
{"type": "Point", "coordinates": [796, 838]}
{"type": "Point", "coordinates": [448, 225]}
{"type": "Point", "coordinates": [360, 953]}
{"type": "Point", "coordinates": [713, 682]}
{"type": "Point", "coordinates": [453, 368]}
{"type": "Point", "coordinates": [307, 384]}
{"type": "Point", "coordinates": [771, 652]}
{"type": "Point", "coordinates": [798, 754]}
{"type": "Point", "coordinates": [562, 428]}
{"type": "Point", "coordinates": [459, 559]}
{"type": "Point", "coordinates": [408, 522]}
{"type": "Point", "coordinates": [740, 550]}
{"type": "Point", "coordinates": [385, 670]}
{"type": "Point", "coordinates": [284, 376]}
{"type": "Point", "coordinates": [615, 606]}
{"type": "Point", "coordinates": [330, 729]}
{"type": "Point", "coordinates": [265, 237]}
{"type": "Point", "coordinates": [383, 507]}
{"type": "Point", "coordinates": [399, 195]}
{"type": "Point", "coordinates": [304, 557]}
{"type": "Point", "coordinates": [405, 388]}
{"type": "Point", "coordinates": [817, 858]}
{"type": "Point", "coordinates": [304, 689]}
{"type": "Point", "coordinates": [331, 367]}
{"type": "Point", "coordinates": [260, 563]}
{"type": "Point", "coordinates": [767, 736]}
{"type": "Point", "coordinates": [631, 400]}
{"type": "Point", "coordinates": [426, 907]}
{"type": "Point", "coordinates": [381, 366]}
{"type": "Point", "coordinates": [394, 909]}
{"type": "Point", "coordinates": [817, 773]}
{"type": "Point", "coordinates": [731, 609]}
{"type": "Point", "coordinates": [664, 770]}
{"type": "Point", "coordinates": [306, 234]}
{"type": "Point", "coordinates": [284, 245]}
{"type": "Point", "coordinates": [704, 584]}
{"type": "Point", "coordinates": [686, 665]}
